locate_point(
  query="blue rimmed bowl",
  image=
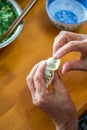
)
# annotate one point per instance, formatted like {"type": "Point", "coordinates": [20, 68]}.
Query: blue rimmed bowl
{"type": "Point", "coordinates": [67, 14]}
{"type": "Point", "coordinates": [19, 28]}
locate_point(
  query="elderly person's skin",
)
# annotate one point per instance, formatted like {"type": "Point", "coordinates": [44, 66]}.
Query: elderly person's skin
{"type": "Point", "coordinates": [57, 103]}
{"type": "Point", "coordinates": [66, 42]}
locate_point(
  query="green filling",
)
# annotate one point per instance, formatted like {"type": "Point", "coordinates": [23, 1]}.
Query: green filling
{"type": "Point", "coordinates": [7, 16]}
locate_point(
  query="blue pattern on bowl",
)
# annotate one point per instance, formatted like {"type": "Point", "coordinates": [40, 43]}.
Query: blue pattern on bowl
{"type": "Point", "coordinates": [67, 14]}
{"type": "Point", "coordinates": [83, 2]}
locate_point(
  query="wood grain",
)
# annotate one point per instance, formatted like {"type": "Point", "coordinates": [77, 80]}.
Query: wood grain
{"type": "Point", "coordinates": [16, 60]}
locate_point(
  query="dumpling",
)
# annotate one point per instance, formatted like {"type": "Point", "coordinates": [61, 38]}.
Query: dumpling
{"type": "Point", "coordinates": [52, 65]}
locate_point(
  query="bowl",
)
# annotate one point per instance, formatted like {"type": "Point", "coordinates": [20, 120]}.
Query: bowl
{"type": "Point", "coordinates": [67, 14]}
{"type": "Point", "coordinates": [19, 28]}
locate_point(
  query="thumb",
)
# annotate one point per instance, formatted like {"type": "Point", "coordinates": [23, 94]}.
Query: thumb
{"type": "Point", "coordinates": [57, 82]}
{"type": "Point", "coordinates": [74, 65]}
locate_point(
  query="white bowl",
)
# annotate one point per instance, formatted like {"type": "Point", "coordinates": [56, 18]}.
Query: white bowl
{"type": "Point", "coordinates": [67, 14]}
{"type": "Point", "coordinates": [18, 29]}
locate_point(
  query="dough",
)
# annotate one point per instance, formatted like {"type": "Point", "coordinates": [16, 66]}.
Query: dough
{"type": "Point", "coordinates": [52, 65]}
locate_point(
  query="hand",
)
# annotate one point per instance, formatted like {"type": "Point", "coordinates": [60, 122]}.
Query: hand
{"type": "Point", "coordinates": [56, 103]}
{"type": "Point", "coordinates": [66, 42]}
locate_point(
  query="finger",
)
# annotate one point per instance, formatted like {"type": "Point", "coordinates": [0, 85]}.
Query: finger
{"type": "Point", "coordinates": [69, 47]}
{"type": "Point", "coordinates": [57, 82]}
{"type": "Point", "coordinates": [58, 42]}
{"type": "Point", "coordinates": [29, 79]}
{"type": "Point", "coordinates": [39, 82]}
{"type": "Point", "coordinates": [74, 65]}
{"type": "Point", "coordinates": [63, 38]}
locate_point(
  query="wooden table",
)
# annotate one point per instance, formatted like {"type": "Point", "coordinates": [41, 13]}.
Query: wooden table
{"type": "Point", "coordinates": [33, 44]}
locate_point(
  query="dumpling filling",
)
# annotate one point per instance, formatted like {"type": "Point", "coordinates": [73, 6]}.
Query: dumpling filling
{"type": "Point", "coordinates": [52, 65]}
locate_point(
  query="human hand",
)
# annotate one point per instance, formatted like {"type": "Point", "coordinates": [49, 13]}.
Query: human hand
{"type": "Point", "coordinates": [57, 102]}
{"type": "Point", "coordinates": [66, 42]}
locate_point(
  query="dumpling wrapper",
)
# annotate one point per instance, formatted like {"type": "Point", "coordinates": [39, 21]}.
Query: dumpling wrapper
{"type": "Point", "coordinates": [52, 65]}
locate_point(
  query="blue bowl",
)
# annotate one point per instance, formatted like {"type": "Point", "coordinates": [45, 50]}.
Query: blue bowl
{"type": "Point", "coordinates": [67, 14]}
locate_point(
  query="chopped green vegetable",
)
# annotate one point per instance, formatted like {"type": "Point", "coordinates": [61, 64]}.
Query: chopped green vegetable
{"type": "Point", "coordinates": [7, 16]}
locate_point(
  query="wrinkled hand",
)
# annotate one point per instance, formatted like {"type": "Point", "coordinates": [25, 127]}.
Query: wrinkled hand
{"type": "Point", "coordinates": [56, 102]}
{"type": "Point", "coordinates": [66, 42]}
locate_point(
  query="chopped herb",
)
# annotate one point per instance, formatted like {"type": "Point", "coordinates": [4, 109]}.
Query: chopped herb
{"type": "Point", "coordinates": [7, 16]}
